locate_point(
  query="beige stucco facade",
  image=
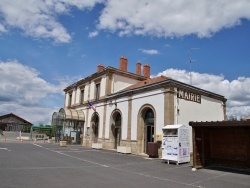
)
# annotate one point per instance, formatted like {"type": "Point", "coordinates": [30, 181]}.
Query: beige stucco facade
{"type": "Point", "coordinates": [131, 109]}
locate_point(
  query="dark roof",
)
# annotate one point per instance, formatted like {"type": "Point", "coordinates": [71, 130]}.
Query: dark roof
{"type": "Point", "coordinates": [220, 124]}
{"type": "Point", "coordinates": [17, 117]}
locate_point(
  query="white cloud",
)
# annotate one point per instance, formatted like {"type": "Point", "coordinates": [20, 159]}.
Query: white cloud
{"type": "Point", "coordinates": [27, 95]}
{"type": "Point", "coordinates": [172, 18]}
{"type": "Point", "coordinates": [38, 18]}
{"type": "Point", "coordinates": [2, 28]}
{"type": "Point", "coordinates": [236, 111]}
{"type": "Point", "coordinates": [167, 18]}
{"type": "Point", "coordinates": [167, 45]}
{"type": "Point", "coordinates": [93, 34]}
{"type": "Point", "coordinates": [237, 91]}
{"type": "Point", "coordinates": [150, 52]}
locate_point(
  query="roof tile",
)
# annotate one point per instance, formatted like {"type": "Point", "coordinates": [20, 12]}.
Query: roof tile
{"type": "Point", "coordinates": [147, 82]}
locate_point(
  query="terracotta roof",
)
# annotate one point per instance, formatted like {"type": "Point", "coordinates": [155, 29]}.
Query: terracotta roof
{"type": "Point", "coordinates": [146, 82]}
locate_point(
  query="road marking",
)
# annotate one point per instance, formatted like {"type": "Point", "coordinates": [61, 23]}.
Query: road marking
{"type": "Point", "coordinates": [154, 177]}
{"type": "Point", "coordinates": [74, 149]}
{"type": "Point", "coordinates": [5, 149]}
{"type": "Point", "coordinates": [37, 145]}
{"type": "Point", "coordinates": [81, 159]}
{"type": "Point", "coordinates": [207, 179]}
{"type": "Point", "coordinates": [123, 170]}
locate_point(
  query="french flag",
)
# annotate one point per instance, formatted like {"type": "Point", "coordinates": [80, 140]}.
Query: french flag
{"type": "Point", "coordinates": [91, 106]}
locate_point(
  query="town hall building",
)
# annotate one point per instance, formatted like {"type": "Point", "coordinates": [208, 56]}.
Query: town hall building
{"type": "Point", "coordinates": [114, 108]}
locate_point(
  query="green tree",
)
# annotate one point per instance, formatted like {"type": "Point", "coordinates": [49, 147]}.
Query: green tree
{"type": "Point", "coordinates": [232, 118]}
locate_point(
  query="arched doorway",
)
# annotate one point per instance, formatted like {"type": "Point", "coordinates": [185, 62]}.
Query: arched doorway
{"type": "Point", "coordinates": [145, 127]}
{"type": "Point", "coordinates": [117, 131]}
{"type": "Point", "coordinates": [116, 128]}
{"type": "Point", "coordinates": [95, 127]}
{"type": "Point", "coordinates": [148, 128]}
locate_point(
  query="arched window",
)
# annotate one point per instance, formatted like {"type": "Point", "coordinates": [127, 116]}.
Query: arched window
{"type": "Point", "coordinates": [118, 120]}
{"type": "Point", "coordinates": [149, 117]}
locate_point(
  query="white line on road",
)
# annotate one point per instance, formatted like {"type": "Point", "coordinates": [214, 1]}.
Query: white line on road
{"type": "Point", "coordinates": [81, 159]}
{"type": "Point", "coordinates": [37, 145]}
{"type": "Point", "coordinates": [5, 149]}
{"type": "Point", "coordinates": [123, 170]}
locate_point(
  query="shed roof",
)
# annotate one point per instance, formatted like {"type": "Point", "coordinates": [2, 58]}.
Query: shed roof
{"type": "Point", "coordinates": [172, 126]}
{"type": "Point", "coordinates": [14, 116]}
{"type": "Point", "coordinates": [220, 124]}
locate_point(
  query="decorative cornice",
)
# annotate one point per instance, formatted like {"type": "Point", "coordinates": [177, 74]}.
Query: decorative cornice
{"type": "Point", "coordinates": [167, 83]}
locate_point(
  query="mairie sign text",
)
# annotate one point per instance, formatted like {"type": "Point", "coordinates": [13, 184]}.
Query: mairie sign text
{"type": "Point", "coordinates": [187, 95]}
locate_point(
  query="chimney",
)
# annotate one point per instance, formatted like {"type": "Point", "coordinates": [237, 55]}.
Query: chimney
{"type": "Point", "coordinates": [146, 70]}
{"type": "Point", "coordinates": [100, 67]}
{"type": "Point", "coordinates": [123, 63]}
{"type": "Point", "coordinates": [138, 68]}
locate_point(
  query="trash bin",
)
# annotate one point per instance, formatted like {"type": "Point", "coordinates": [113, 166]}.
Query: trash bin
{"type": "Point", "coordinates": [152, 149]}
{"type": "Point", "coordinates": [175, 143]}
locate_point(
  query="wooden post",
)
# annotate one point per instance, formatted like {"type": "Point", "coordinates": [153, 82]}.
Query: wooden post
{"type": "Point", "coordinates": [202, 149]}
{"type": "Point", "coordinates": [194, 150]}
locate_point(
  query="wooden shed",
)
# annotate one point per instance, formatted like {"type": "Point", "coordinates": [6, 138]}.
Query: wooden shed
{"type": "Point", "coordinates": [222, 143]}
{"type": "Point", "coordinates": [12, 122]}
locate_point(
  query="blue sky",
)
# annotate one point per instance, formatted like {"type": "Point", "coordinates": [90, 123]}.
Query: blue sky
{"type": "Point", "coordinates": [46, 45]}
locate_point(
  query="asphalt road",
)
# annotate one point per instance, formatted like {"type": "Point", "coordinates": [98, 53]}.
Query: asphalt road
{"type": "Point", "coordinates": [35, 165]}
